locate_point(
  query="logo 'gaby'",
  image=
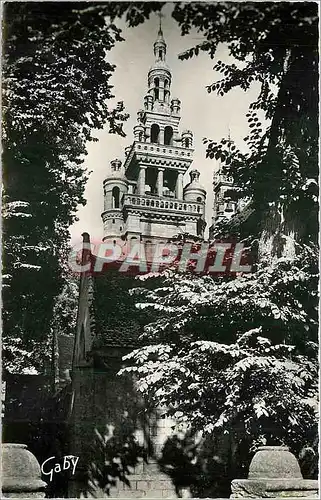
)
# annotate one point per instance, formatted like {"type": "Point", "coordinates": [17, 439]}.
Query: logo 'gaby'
{"type": "Point", "coordinates": [48, 467]}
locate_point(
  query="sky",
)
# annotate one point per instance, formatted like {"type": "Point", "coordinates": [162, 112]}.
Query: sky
{"type": "Point", "coordinates": [207, 115]}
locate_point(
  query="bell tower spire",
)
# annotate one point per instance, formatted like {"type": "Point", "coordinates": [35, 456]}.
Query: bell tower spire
{"type": "Point", "coordinates": [160, 15]}
{"type": "Point", "coordinates": [159, 75]}
{"type": "Point", "coordinates": [152, 199]}
{"type": "Point", "coordinates": [160, 44]}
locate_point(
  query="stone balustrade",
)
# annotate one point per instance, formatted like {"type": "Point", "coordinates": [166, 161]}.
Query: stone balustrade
{"type": "Point", "coordinates": [112, 214]}
{"type": "Point", "coordinates": [162, 204]}
{"type": "Point", "coordinates": [161, 149]}
{"type": "Point", "coordinates": [219, 177]}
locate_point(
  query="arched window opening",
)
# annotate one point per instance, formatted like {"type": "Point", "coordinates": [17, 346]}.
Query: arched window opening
{"type": "Point", "coordinates": [154, 131]}
{"type": "Point", "coordinates": [156, 89]}
{"type": "Point", "coordinates": [115, 196]}
{"type": "Point", "coordinates": [148, 249]}
{"type": "Point", "coordinates": [133, 242]}
{"type": "Point", "coordinates": [199, 199]}
{"type": "Point", "coordinates": [168, 136]}
{"type": "Point", "coordinates": [140, 136]}
{"type": "Point", "coordinates": [113, 221]}
{"type": "Point", "coordinates": [161, 54]}
{"type": "Point", "coordinates": [166, 84]}
{"type": "Point", "coordinates": [187, 142]}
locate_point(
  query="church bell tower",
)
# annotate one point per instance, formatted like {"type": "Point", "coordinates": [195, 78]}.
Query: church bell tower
{"type": "Point", "coordinates": [144, 196]}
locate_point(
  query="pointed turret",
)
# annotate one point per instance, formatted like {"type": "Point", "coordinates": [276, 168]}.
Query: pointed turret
{"type": "Point", "coordinates": [160, 46]}
{"type": "Point", "coordinates": [194, 191]}
{"type": "Point", "coordinates": [159, 75]}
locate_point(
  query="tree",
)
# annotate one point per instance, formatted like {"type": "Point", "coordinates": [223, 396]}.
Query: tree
{"type": "Point", "coordinates": [275, 46]}
{"type": "Point", "coordinates": [56, 87]}
{"type": "Point", "coordinates": [239, 355]}
{"type": "Point", "coordinates": [235, 355]}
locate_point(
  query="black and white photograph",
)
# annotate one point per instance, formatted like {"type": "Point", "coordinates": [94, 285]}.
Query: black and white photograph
{"type": "Point", "coordinates": [160, 249]}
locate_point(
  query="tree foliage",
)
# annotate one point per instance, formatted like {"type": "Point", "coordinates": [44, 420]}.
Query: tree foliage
{"type": "Point", "coordinates": [276, 47]}
{"type": "Point", "coordinates": [224, 354]}
{"type": "Point", "coordinates": [56, 87]}
{"type": "Point", "coordinates": [56, 84]}
{"type": "Point", "coordinates": [65, 307]}
{"type": "Point", "coordinates": [240, 355]}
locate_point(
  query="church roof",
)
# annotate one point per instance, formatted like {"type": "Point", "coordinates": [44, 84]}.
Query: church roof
{"type": "Point", "coordinates": [160, 36]}
{"type": "Point", "coordinates": [116, 170]}
{"type": "Point", "coordinates": [120, 174]}
{"type": "Point", "coordinates": [160, 65]}
{"type": "Point", "coordinates": [195, 183]}
{"type": "Point", "coordinates": [113, 310]}
{"type": "Point", "coordinates": [115, 321]}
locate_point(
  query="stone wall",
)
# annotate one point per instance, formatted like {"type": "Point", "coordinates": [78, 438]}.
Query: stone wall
{"type": "Point", "coordinates": [117, 441]}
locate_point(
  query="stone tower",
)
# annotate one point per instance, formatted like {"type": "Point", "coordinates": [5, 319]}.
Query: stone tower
{"type": "Point", "coordinates": [223, 206]}
{"type": "Point", "coordinates": [144, 196]}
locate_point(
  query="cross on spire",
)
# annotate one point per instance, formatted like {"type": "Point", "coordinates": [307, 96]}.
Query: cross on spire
{"type": "Point", "coordinates": [160, 15]}
{"type": "Point", "coordinates": [229, 140]}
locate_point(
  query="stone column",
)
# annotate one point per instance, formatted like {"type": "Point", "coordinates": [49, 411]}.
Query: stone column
{"type": "Point", "coordinates": [179, 186]}
{"type": "Point", "coordinates": [141, 180]}
{"type": "Point", "coordinates": [160, 181]}
{"type": "Point", "coordinates": [161, 91]}
{"type": "Point", "coordinates": [161, 136]}
{"type": "Point", "coordinates": [176, 138]}
{"type": "Point", "coordinates": [147, 133]}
